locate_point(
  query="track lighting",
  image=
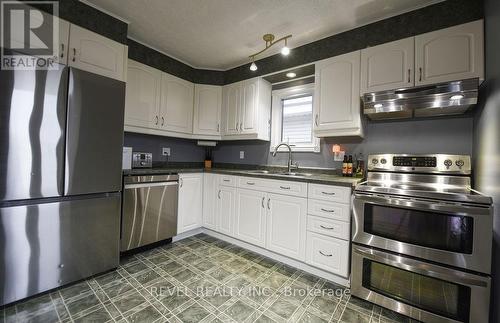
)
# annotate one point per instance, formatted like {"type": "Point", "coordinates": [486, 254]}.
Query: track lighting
{"type": "Point", "coordinates": [269, 39]}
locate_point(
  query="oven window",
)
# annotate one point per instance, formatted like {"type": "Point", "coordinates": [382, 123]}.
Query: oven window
{"type": "Point", "coordinates": [431, 294]}
{"type": "Point", "coordinates": [428, 229]}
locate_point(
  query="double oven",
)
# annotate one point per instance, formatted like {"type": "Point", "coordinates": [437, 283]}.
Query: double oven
{"type": "Point", "coordinates": [422, 239]}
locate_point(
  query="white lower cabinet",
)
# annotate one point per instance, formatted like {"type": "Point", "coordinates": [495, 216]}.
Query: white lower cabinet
{"type": "Point", "coordinates": [328, 253]}
{"type": "Point", "coordinates": [226, 199]}
{"type": "Point", "coordinates": [189, 215]}
{"type": "Point", "coordinates": [286, 223]}
{"type": "Point", "coordinates": [250, 221]}
{"type": "Point", "coordinates": [210, 185]}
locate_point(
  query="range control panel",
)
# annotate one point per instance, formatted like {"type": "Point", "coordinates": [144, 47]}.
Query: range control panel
{"type": "Point", "coordinates": [437, 163]}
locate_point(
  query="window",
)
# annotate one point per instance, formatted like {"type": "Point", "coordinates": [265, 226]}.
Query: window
{"type": "Point", "coordinates": [292, 119]}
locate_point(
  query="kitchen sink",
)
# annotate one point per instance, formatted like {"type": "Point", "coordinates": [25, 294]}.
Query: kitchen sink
{"type": "Point", "coordinates": [260, 171]}
{"type": "Point", "coordinates": [295, 174]}
{"type": "Point", "coordinates": [291, 174]}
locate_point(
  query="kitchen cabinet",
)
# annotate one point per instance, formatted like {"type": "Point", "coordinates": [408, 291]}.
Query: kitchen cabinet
{"type": "Point", "coordinates": [388, 66]}
{"type": "Point", "coordinates": [250, 221]}
{"type": "Point", "coordinates": [64, 26]}
{"type": "Point", "coordinates": [94, 53]}
{"type": "Point", "coordinates": [328, 253]}
{"type": "Point", "coordinates": [286, 222]}
{"type": "Point", "coordinates": [189, 215]}
{"type": "Point", "coordinates": [337, 101]}
{"type": "Point", "coordinates": [210, 186]}
{"type": "Point", "coordinates": [450, 54]}
{"type": "Point", "coordinates": [226, 206]}
{"type": "Point", "coordinates": [142, 98]}
{"type": "Point", "coordinates": [247, 110]}
{"type": "Point", "coordinates": [176, 104]}
{"type": "Point", "coordinates": [207, 109]}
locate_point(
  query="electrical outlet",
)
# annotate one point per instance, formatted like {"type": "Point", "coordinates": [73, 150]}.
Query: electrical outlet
{"type": "Point", "coordinates": [242, 154]}
{"type": "Point", "coordinates": [165, 151]}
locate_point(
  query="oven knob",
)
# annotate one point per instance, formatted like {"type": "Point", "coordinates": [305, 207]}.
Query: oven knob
{"type": "Point", "coordinates": [383, 161]}
{"type": "Point", "coordinates": [374, 161]}
{"type": "Point", "coordinates": [459, 163]}
{"type": "Point", "coordinates": [448, 163]}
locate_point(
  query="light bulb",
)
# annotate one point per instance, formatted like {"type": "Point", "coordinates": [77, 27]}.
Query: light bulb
{"type": "Point", "coordinates": [285, 50]}
{"type": "Point", "coordinates": [291, 74]}
{"type": "Point", "coordinates": [253, 67]}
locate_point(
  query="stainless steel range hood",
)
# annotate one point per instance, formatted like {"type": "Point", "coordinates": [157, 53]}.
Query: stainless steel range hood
{"type": "Point", "coordinates": [424, 101]}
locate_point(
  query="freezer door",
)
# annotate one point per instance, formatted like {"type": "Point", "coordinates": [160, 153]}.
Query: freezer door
{"type": "Point", "coordinates": [32, 126]}
{"type": "Point", "coordinates": [43, 246]}
{"type": "Point", "coordinates": [94, 134]}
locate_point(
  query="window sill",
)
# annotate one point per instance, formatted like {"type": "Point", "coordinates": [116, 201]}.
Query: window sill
{"type": "Point", "coordinates": [298, 149]}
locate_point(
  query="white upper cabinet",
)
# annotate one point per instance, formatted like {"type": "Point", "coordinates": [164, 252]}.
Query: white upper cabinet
{"type": "Point", "coordinates": [142, 99]}
{"type": "Point", "coordinates": [286, 221]}
{"type": "Point", "coordinates": [231, 108]}
{"type": "Point", "coordinates": [190, 214]}
{"type": "Point", "coordinates": [97, 54]}
{"type": "Point", "coordinates": [450, 54]}
{"type": "Point", "coordinates": [246, 110]}
{"type": "Point", "coordinates": [64, 26]}
{"type": "Point", "coordinates": [207, 109]}
{"type": "Point", "coordinates": [337, 101]}
{"type": "Point", "coordinates": [176, 104]}
{"type": "Point", "coordinates": [388, 66]}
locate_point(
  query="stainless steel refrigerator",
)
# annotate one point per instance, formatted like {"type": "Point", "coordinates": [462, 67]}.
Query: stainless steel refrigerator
{"type": "Point", "coordinates": [61, 137]}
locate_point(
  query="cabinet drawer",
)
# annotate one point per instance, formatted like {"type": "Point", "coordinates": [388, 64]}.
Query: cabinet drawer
{"type": "Point", "coordinates": [286, 187]}
{"type": "Point", "coordinates": [327, 253]}
{"type": "Point", "coordinates": [333, 228]}
{"type": "Point", "coordinates": [251, 183]}
{"type": "Point", "coordinates": [330, 193]}
{"type": "Point", "coordinates": [227, 180]}
{"type": "Point", "coordinates": [329, 210]}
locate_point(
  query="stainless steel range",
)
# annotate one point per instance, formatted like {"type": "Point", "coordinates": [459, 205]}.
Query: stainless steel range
{"type": "Point", "coordinates": [422, 238]}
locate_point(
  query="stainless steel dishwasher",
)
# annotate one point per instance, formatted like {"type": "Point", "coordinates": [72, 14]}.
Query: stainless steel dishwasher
{"type": "Point", "coordinates": [149, 209]}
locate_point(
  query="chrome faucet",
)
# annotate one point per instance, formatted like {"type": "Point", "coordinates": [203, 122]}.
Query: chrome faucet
{"type": "Point", "coordinates": [289, 164]}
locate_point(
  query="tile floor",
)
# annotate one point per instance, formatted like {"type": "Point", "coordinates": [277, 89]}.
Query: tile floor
{"type": "Point", "coordinates": [200, 279]}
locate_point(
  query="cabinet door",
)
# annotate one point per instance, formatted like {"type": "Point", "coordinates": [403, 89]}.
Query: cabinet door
{"type": "Point", "coordinates": [207, 109]}
{"type": "Point", "coordinates": [176, 111]}
{"type": "Point", "coordinates": [210, 182]}
{"type": "Point", "coordinates": [142, 98]}
{"type": "Point", "coordinates": [450, 54]}
{"type": "Point", "coordinates": [226, 198]}
{"type": "Point", "coordinates": [64, 26]}
{"type": "Point", "coordinates": [388, 66]}
{"type": "Point", "coordinates": [232, 103]}
{"type": "Point", "coordinates": [337, 101]}
{"type": "Point", "coordinates": [327, 253]}
{"type": "Point", "coordinates": [286, 225]}
{"type": "Point", "coordinates": [249, 112]}
{"type": "Point", "coordinates": [250, 222]}
{"type": "Point", "coordinates": [190, 202]}
{"type": "Point", "coordinates": [94, 53]}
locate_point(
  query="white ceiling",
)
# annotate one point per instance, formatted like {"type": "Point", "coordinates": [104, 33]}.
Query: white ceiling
{"type": "Point", "coordinates": [221, 34]}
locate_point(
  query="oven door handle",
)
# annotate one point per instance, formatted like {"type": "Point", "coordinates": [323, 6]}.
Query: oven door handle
{"type": "Point", "coordinates": [423, 205]}
{"type": "Point", "coordinates": [419, 267]}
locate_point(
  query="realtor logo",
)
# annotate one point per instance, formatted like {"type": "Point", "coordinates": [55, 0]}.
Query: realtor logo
{"type": "Point", "coordinates": [29, 34]}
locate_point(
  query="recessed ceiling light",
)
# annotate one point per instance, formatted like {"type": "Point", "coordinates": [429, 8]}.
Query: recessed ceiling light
{"type": "Point", "coordinates": [291, 74]}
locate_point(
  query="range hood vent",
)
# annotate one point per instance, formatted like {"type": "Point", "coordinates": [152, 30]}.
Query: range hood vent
{"type": "Point", "coordinates": [425, 101]}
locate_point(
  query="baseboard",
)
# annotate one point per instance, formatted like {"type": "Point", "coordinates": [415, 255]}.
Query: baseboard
{"type": "Point", "coordinates": [291, 262]}
{"type": "Point", "coordinates": [187, 234]}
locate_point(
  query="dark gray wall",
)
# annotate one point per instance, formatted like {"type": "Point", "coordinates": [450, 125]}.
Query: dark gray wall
{"type": "Point", "coordinates": [450, 135]}
{"type": "Point", "coordinates": [182, 150]}
{"type": "Point", "coordinates": [487, 138]}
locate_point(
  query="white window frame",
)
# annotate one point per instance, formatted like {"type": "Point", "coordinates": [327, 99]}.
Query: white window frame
{"type": "Point", "coordinates": [277, 115]}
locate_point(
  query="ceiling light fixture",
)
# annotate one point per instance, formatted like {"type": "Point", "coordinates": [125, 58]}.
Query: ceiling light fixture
{"type": "Point", "coordinates": [291, 74]}
{"type": "Point", "coordinates": [269, 39]}
{"type": "Point", "coordinates": [457, 97]}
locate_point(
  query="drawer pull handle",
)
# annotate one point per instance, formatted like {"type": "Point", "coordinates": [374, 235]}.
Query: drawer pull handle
{"type": "Point", "coordinates": [328, 228]}
{"type": "Point", "coordinates": [268, 204]}
{"type": "Point", "coordinates": [250, 183]}
{"type": "Point", "coordinates": [226, 180]}
{"type": "Point", "coordinates": [324, 254]}
{"type": "Point", "coordinates": [328, 193]}
{"type": "Point", "coordinates": [285, 187]}
{"type": "Point", "coordinates": [325, 210]}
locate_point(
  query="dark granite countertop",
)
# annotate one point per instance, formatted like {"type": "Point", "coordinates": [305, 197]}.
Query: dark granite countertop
{"type": "Point", "coordinates": [312, 175]}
